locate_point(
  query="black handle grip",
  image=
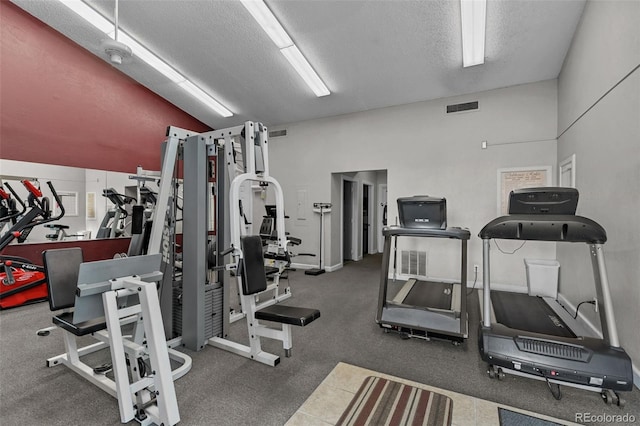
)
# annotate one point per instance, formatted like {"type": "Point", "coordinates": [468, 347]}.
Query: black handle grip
{"type": "Point", "coordinates": [58, 201]}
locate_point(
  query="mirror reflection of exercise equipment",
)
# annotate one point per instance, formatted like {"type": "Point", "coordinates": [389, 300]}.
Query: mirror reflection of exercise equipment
{"type": "Point", "coordinates": [424, 308]}
{"type": "Point", "coordinates": [21, 281]}
{"type": "Point", "coordinates": [114, 223]}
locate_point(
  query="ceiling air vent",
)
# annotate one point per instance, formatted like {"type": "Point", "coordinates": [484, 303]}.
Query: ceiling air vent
{"type": "Point", "coordinates": [277, 133]}
{"type": "Point", "coordinates": [468, 106]}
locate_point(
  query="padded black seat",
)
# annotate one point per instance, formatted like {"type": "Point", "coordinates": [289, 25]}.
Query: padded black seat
{"type": "Point", "coordinates": [65, 320]}
{"type": "Point", "coordinates": [56, 226]}
{"type": "Point", "coordinates": [61, 267]}
{"type": "Point", "coordinates": [255, 281]}
{"type": "Point", "coordinates": [288, 314]}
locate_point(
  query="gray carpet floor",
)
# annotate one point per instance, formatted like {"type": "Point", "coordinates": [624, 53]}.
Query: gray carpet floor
{"type": "Point", "coordinates": [226, 389]}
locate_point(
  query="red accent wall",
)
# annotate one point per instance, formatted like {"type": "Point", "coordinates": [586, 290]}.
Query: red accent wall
{"type": "Point", "coordinates": [62, 105]}
{"type": "Point", "coordinates": [91, 249]}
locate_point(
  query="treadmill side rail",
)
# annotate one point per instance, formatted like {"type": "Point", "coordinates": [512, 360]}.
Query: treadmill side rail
{"type": "Point", "coordinates": [607, 318]}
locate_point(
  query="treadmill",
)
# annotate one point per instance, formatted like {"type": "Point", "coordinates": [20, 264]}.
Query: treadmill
{"type": "Point", "coordinates": [423, 308]}
{"type": "Point", "coordinates": [535, 337]}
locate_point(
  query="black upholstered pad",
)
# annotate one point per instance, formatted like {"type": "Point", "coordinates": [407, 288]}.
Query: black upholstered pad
{"type": "Point", "coordinates": [288, 314]}
{"type": "Point", "coordinates": [65, 320]}
{"type": "Point", "coordinates": [61, 267]}
{"type": "Point", "coordinates": [254, 279]}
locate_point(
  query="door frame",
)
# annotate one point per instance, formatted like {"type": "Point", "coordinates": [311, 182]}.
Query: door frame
{"type": "Point", "coordinates": [381, 189]}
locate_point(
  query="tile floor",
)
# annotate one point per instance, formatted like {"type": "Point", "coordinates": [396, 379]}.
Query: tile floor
{"type": "Point", "coordinates": [326, 404]}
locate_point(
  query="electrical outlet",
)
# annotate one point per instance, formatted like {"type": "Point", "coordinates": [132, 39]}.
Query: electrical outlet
{"type": "Point", "coordinates": [476, 268]}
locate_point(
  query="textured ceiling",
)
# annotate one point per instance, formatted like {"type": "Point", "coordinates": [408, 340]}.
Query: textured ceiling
{"type": "Point", "coordinates": [371, 54]}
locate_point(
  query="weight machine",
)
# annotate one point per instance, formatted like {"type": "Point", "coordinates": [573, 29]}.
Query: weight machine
{"type": "Point", "coordinates": [195, 297]}
{"type": "Point", "coordinates": [98, 299]}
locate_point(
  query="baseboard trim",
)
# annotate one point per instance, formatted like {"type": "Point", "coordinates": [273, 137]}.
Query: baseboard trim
{"type": "Point", "coordinates": [302, 266]}
{"type": "Point", "coordinates": [334, 267]}
{"type": "Point", "coordinates": [307, 266]}
{"type": "Point", "coordinates": [568, 305]}
{"type": "Point", "coordinates": [572, 310]}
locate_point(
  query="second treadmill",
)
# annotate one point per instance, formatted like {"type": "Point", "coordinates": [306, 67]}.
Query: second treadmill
{"type": "Point", "coordinates": [424, 308]}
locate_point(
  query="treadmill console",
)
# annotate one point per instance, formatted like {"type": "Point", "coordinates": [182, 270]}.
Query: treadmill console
{"type": "Point", "coordinates": [545, 200]}
{"type": "Point", "coordinates": [422, 211]}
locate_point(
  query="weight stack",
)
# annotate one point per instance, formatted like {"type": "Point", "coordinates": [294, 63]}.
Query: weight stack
{"type": "Point", "coordinates": [213, 301]}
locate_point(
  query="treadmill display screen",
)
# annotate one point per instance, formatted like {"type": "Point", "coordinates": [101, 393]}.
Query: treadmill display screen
{"type": "Point", "coordinates": [545, 200]}
{"type": "Point", "coordinates": [422, 212]}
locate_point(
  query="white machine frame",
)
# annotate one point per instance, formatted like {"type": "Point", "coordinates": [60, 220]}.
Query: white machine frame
{"type": "Point", "coordinates": [194, 149]}
{"type": "Point", "coordinates": [150, 399]}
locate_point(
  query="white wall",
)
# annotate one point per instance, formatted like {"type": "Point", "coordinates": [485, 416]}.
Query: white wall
{"type": "Point", "coordinates": [606, 141]}
{"type": "Point", "coordinates": [426, 151]}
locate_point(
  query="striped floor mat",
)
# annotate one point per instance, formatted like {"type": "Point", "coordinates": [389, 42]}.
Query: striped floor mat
{"type": "Point", "coordinates": [386, 402]}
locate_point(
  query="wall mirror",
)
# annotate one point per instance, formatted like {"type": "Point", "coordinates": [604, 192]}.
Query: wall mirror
{"type": "Point", "coordinates": [87, 210]}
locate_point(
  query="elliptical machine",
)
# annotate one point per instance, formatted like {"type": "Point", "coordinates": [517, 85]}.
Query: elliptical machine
{"type": "Point", "coordinates": [113, 224]}
{"type": "Point", "coordinates": [9, 208]}
{"type": "Point", "coordinates": [21, 281]}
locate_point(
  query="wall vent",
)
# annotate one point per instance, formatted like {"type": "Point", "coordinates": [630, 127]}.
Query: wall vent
{"type": "Point", "coordinates": [468, 106]}
{"type": "Point", "coordinates": [277, 133]}
{"type": "Point", "coordinates": [414, 263]}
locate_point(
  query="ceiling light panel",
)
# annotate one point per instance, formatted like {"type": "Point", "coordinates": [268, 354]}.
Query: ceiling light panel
{"type": "Point", "coordinates": [89, 14]}
{"type": "Point", "coordinates": [199, 94]}
{"type": "Point", "coordinates": [474, 17]}
{"type": "Point", "coordinates": [100, 22]}
{"type": "Point", "coordinates": [269, 23]}
{"type": "Point", "coordinates": [263, 16]}
{"type": "Point", "coordinates": [302, 66]}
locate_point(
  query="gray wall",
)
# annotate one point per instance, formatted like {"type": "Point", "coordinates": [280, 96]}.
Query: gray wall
{"type": "Point", "coordinates": [606, 141]}
{"type": "Point", "coordinates": [425, 151]}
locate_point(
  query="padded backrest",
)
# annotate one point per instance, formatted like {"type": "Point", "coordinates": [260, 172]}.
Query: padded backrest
{"type": "Point", "coordinates": [61, 267]}
{"type": "Point", "coordinates": [254, 279]}
{"type": "Point", "coordinates": [266, 228]}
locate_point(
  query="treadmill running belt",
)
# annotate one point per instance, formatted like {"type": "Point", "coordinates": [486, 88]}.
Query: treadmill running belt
{"type": "Point", "coordinates": [527, 313]}
{"type": "Point", "coordinates": [430, 295]}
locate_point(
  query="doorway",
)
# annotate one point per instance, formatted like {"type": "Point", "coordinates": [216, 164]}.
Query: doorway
{"type": "Point", "coordinates": [349, 189]}
{"type": "Point", "coordinates": [367, 218]}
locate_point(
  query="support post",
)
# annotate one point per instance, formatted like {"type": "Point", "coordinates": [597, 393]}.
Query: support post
{"type": "Point", "coordinates": [486, 305]}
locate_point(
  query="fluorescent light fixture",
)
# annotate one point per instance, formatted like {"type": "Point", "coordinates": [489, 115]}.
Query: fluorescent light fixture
{"type": "Point", "coordinates": [107, 27]}
{"type": "Point", "coordinates": [199, 94]}
{"type": "Point", "coordinates": [474, 18]}
{"type": "Point", "coordinates": [143, 53]}
{"type": "Point", "coordinates": [267, 20]}
{"type": "Point", "coordinates": [89, 15]}
{"type": "Point", "coordinates": [300, 64]}
{"type": "Point", "coordinates": [263, 15]}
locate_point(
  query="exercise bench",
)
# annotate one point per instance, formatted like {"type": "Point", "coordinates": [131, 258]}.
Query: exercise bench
{"type": "Point", "coordinates": [98, 298]}
{"type": "Point", "coordinates": [251, 273]}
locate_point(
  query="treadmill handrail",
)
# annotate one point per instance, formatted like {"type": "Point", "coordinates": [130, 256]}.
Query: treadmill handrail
{"type": "Point", "coordinates": [457, 233]}
{"type": "Point", "coordinates": [569, 228]}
